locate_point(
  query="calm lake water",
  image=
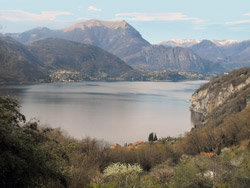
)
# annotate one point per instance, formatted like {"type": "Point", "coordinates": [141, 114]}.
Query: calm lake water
{"type": "Point", "coordinates": [117, 112]}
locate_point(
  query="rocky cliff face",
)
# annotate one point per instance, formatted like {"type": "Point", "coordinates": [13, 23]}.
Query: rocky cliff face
{"type": "Point", "coordinates": [223, 95]}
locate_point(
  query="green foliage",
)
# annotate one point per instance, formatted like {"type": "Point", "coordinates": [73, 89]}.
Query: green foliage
{"type": "Point", "coordinates": [228, 170]}
{"type": "Point", "coordinates": [234, 169]}
{"type": "Point", "coordinates": [192, 174]}
{"type": "Point", "coordinates": [23, 160]}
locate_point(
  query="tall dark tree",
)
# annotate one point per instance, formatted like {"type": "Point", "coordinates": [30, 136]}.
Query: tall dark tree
{"type": "Point", "coordinates": [155, 138]}
{"type": "Point", "coordinates": [151, 137]}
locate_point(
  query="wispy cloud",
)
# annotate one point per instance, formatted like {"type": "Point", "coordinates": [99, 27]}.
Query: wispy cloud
{"type": "Point", "coordinates": [237, 22]}
{"type": "Point", "coordinates": [176, 16]}
{"type": "Point", "coordinates": [82, 19]}
{"type": "Point", "coordinates": [236, 29]}
{"type": "Point", "coordinates": [199, 28]}
{"type": "Point", "coordinates": [247, 14]}
{"type": "Point", "coordinates": [92, 8]}
{"type": "Point", "coordinates": [20, 15]}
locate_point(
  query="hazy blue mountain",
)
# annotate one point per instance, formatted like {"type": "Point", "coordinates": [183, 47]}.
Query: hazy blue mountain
{"type": "Point", "coordinates": [32, 63]}
{"type": "Point", "coordinates": [208, 50]}
{"type": "Point", "coordinates": [122, 40]}
{"type": "Point", "coordinates": [33, 35]}
{"type": "Point", "coordinates": [230, 54]}
{"type": "Point", "coordinates": [18, 64]}
{"type": "Point", "coordinates": [62, 54]}
{"type": "Point", "coordinates": [157, 57]}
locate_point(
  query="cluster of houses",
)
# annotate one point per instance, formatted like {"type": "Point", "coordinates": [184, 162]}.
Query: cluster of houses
{"type": "Point", "coordinates": [136, 145]}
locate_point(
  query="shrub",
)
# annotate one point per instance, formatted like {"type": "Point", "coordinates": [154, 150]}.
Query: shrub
{"type": "Point", "coordinates": [123, 175]}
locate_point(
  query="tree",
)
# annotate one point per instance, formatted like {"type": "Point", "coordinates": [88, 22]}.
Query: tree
{"type": "Point", "coordinates": [151, 137]}
{"type": "Point", "coordinates": [24, 162]}
{"type": "Point", "coordinates": [155, 137]}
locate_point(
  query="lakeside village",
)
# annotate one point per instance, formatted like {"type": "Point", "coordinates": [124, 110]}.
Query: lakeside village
{"type": "Point", "coordinates": [152, 139]}
{"type": "Point", "coordinates": [75, 76]}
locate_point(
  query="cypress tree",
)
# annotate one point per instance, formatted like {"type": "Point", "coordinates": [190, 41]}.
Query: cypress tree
{"type": "Point", "coordinates": [151, 137]}
{"type": "Point", "coordinates": [155, 138]}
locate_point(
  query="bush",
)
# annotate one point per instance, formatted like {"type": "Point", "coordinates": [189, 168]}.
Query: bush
{"type": "Point", "coordinates": [123, 175]}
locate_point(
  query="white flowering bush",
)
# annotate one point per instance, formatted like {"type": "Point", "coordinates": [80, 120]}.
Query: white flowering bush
{"type": "Point", "coordinates": [123, 175]}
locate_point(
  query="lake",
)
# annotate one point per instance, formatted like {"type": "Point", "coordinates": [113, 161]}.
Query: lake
{"type": "Point", "coordinates": [118, 112]}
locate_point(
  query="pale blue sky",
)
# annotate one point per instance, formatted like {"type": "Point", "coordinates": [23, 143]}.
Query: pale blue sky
{"type": "Point", "coordinates": [156, 20]}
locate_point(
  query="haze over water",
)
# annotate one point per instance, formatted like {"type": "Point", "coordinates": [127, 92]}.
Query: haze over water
{"type": "Point", "coordinates": [117, 112]}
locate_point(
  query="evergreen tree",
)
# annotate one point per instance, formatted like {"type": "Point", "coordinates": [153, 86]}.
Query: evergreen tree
{"type": "Point", "coordinates": [155, 138]}
{"type": "Point", "coordinates": [151, 137]}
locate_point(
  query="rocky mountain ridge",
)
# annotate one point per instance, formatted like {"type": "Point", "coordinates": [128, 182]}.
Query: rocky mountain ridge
{"type": "Point", "coordinates": [223, 95]}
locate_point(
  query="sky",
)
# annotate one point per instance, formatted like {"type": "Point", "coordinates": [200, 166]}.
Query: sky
{"type": "Point", "coordinates": [156, 20]}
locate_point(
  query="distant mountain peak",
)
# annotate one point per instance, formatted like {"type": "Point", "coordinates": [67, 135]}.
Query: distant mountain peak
{"type": "Point", "coordinates": [180, 42]}
{"type": "Point", "coordinates": [97, 23]}
{"type": "Point", "coordinates": [226, 42]}
{"type": "Point", "coordinates": [206, 43]}
{"type": "Point", "coordinates": [42, 28]}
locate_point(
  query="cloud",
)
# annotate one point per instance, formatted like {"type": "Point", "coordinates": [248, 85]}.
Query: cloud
{"type": "Point", "coordinates": [20, 15]}
{"type": "Point", "coordinates": [199, 28]}
{"type": "Point", "coordinates": [176, 16]}
{"type": "Point", "coordinates": [82, 19]}
{"type": "Point", "coordinates": [237, 22]}
{"type": "Point", "coordinates": [236, 29]}
{"type": "Point", "coordinates": [92, 8]}
{"type": "Point", "coordinates": [247, 14]}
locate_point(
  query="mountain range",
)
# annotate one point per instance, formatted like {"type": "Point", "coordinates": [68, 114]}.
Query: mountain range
{"type": "Point", "coordinates": [34, 62]}
{"type": "Point", "coordinates": [156, 57]}
{"type": "Point", "coordinates": [118, 38]}
{"type": "Point", "coordinates": [190, 42]}
{"type": "Point", "coordinates": [229, 53]}
{"type": "Point", "coordinates": [59, 60]}
{"type": "Point", "coordinates": [124, 41]}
